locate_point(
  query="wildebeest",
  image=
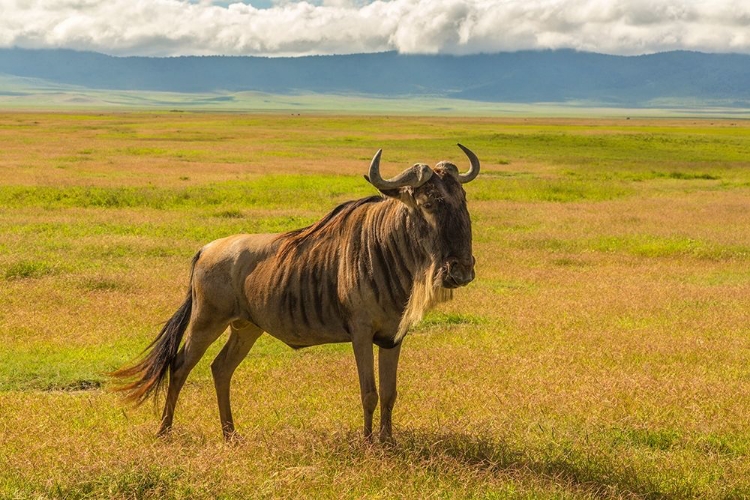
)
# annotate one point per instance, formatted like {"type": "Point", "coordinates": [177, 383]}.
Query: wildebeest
{"type": "Point", "coordinates": [362, 274]}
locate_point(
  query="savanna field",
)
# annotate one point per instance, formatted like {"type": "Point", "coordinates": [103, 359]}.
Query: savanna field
{"type": "Point", "coordinates": [602, 351]}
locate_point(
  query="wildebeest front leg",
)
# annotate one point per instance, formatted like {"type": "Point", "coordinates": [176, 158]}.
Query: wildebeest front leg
{"type": "Point", "coordinates": [387, 368]}
{"type": "Point", "coordinates": [241, 339]}
{"type": "Point", "coordinates": [366, 371]}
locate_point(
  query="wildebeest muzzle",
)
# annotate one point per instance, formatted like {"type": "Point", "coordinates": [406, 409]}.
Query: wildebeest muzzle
{"type": "Point", "coordinates": [457, 273]}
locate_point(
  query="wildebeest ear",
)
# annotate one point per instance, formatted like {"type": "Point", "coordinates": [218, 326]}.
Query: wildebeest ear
{"type": "Point", "coordinates": [391, 193]}
{"type": "Point", "coordinates": [404, 195]}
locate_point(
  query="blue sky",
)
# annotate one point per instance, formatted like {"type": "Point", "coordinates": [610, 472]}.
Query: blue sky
{"type": "Point", "coordinates": [294, 28]}
{"type": "Point", "coordinates": [258, 4]}
{"type": "Point", "coordinates": [267, 4]}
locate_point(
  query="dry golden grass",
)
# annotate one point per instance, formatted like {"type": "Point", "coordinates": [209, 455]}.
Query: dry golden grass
{"type": "Point", "coordinates": [603, 351]}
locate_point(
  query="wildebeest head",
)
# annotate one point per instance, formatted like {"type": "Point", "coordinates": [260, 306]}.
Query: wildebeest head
{"type": "Point", "coordinates": [435, 196]}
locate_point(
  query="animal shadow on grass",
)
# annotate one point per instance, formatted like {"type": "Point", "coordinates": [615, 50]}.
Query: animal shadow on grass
{"type": "Point", "coordinates": [489, 456]}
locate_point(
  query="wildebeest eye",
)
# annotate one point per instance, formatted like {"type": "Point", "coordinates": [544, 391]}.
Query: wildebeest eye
{"type": "Point", "coordinates": [428, 205]}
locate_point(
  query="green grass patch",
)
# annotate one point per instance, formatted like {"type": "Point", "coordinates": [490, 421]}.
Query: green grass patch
{"type": "Point", "coordinates": [190, 231]}
{"type": "Point", "coordinates": [57, 367]}
{"type": "Point", "coordinates": [27, 269]}
{"type": "Point", "coordinates": [664, 439]}
{"type": "Point", "coordinates": [546, 190]}
{"type": "Point", "coordinates": [652, 246]}
{"type": "Point", "coordinates": [634, 148]}
{"type": "Point", "coordinates": [230, 214]}
{"type": "Point", "coordinates": [570, 262]}
{"type": "Point", "coordinates": [270, 191]}
{"type": "Point", "coordinates": [436, 319]}
{"type": "Point", "coordinates": [691, 176]}
{"type": "Point", "coordinates": [503, 286]}
{"type": "Point", "coordinates": [146, 151]}
{"type": "Point", "coordinates": [103, 284]}
{"type": "Point", "coordinates": [138, 481]}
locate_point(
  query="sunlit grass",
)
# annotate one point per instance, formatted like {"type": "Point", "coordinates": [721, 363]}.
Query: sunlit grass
{"type": "Point", "coordinates": [602, 351]}
{"type": "Point", "coordinates": [273, 191]}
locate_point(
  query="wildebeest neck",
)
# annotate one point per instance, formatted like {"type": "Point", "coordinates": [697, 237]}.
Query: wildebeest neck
{"type": "Point", "coordinates": [367, 247]}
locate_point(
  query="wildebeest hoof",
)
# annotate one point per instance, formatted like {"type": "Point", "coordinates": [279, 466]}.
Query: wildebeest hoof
{"type": "Point", "coordinates": [234, 438]}
{"type": "Point", "coordinates": [387, 440]}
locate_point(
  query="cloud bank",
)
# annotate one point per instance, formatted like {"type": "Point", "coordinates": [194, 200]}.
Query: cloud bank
{"type": "Point", "coordinates": [291, 28]}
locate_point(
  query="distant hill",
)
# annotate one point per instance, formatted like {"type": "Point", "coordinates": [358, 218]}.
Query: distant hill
{"type": "Point", "coordinates": [563, 76]}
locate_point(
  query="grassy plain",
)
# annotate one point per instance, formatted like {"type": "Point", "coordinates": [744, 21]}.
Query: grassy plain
{"type": "Point", "coordinates": [603, 350]}
{"type": "Point", "coordinates": [34, 94]}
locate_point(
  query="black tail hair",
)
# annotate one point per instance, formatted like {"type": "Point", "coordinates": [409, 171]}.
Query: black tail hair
{"type": "Point", "coordinates": [152, 370]}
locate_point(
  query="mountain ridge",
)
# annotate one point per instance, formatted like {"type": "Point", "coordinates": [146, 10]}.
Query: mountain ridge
{"type": "Point", "coordinates": [553, 76]}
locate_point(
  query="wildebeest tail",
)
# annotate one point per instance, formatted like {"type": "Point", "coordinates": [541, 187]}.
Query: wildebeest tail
{"type": "Point", "coordinates": [151, 372]}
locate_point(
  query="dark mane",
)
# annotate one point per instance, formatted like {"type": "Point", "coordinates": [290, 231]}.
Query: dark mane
{"type": "Point", "coordinates": [297, 236]}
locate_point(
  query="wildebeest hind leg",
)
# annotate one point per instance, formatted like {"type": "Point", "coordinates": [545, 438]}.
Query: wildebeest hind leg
{"type": "Point", "coordinates": [202, 331]}
{"type": "Point", "coordinates": [241, 340]}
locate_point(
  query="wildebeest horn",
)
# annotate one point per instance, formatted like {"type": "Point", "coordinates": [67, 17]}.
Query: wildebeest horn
{"type": "Point", "coordinates": [473, 171]}
{"type": "Point", "coordinates": [413, 176]}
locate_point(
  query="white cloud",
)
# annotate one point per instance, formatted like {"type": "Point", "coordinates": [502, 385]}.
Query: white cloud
{"type": "Point", "coordinates": [180, 27]}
